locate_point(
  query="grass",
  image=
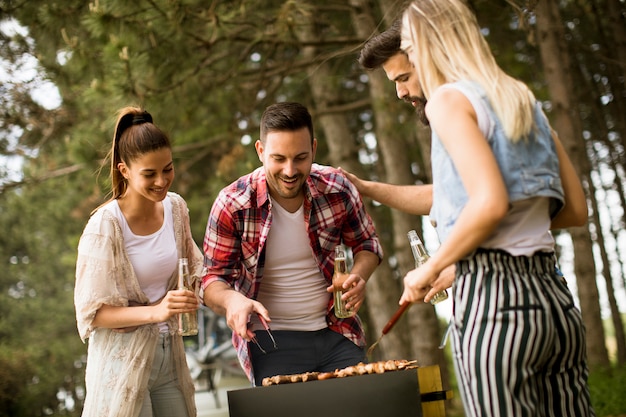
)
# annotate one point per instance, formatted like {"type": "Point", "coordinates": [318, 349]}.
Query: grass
{"type": "Point", "coordinates": [608, 392]}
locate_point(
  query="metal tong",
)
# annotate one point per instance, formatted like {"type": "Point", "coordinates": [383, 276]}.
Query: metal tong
{"type": "Point", "coordinates": [267, 329]}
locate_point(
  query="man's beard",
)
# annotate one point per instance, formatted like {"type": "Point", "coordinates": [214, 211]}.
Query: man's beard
{"type": "Point", "coordinates": [420, 105]}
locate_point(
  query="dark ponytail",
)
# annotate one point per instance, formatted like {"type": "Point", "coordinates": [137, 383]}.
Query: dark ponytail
{"type": "Point", "coordinates": [135, 135]}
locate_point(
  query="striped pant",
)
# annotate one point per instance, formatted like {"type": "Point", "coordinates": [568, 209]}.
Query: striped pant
{"type": "Point", "coordinates": [518, 340]}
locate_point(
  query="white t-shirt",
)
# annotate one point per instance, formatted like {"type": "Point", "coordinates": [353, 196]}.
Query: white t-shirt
{"type": "Point", "coordinates": [293, 288]}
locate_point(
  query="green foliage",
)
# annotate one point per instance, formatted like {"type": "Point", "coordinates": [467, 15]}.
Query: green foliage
{"type": "Point", "coordinates": [608, 391]}
{"type": "Point", "coordinates": [14, 379]}
{"type": "Point", "coordinates": [206, 71]}
{"type": "Point", "coordinates": [40, 351]}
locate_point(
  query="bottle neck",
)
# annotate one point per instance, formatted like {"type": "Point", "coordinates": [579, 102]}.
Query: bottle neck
{"type": "Point", "coordinates": [340, 265]}
{"type": "Point", "coordinates": [183, 275]}
{"type": "Point", "coordinates": [419, 253]}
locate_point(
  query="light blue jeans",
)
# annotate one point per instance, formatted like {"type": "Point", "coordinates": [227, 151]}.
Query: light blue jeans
{"type": "Point", "coordinates": [164, 398]}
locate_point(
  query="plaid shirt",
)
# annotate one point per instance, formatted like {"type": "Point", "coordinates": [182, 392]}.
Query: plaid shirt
{"type": "Point", "coordinates": [240, 221]}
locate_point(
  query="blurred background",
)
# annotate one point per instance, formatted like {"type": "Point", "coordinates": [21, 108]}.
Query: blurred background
{"type": "Point", "coordinates": [206, 70]}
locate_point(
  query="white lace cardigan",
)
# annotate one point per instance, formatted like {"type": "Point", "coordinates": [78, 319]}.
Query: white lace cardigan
{"type": "Point", "coordinates": [119, 364]}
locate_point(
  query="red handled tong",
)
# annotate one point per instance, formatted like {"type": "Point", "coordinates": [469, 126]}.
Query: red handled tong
{"type": "Point", "coordinates": [392, 322]}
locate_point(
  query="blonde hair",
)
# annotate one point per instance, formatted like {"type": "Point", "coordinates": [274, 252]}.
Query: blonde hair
{"type": "Point", "coordinates": [444, 42]}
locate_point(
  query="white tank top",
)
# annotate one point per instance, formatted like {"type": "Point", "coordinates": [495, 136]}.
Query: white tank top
{"type": "Point", "coordinates": [293, 288]}
{"type": "Point", "coordinates": [154, 257]}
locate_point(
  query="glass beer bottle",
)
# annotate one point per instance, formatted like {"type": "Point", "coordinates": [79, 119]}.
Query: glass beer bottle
{"type": "Point", "coordinates": [187, 322]}
{"type": "Point", "coordinates": [339, 277]}
{"type": "Point", "coordinates": [420, 255]}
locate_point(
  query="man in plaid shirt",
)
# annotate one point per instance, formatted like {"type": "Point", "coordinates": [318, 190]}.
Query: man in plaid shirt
{"type": "Point", "coordinates": [269, 251]}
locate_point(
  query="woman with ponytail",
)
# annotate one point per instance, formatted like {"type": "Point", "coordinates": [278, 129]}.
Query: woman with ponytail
{"type": "Point", "coordinates": [126, 297]}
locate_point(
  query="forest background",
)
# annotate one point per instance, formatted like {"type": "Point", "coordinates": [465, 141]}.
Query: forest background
{"type": "Point", "coordinates": [206, 70]}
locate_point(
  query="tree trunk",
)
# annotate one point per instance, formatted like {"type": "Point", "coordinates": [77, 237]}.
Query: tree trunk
{"type": "Point", "coordinates": [617, 32]}
{"type": "Point", "coordinates": [422, 318]}
{"type": "Point", "coordinates": [616, 318]}
{"type": "Point", "coordinates": [382, 295]}
{"type": "Point", "coordinates": [557, 66]}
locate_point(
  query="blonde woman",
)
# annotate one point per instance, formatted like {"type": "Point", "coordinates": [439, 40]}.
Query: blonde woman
{"type": "Point", "coordinates": [501, 180]}
{"type": "Point", "coordinates": [126, 295]}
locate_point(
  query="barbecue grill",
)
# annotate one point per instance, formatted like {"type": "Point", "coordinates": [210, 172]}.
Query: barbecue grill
{"type": "Point", "coordinates": [411, 392]}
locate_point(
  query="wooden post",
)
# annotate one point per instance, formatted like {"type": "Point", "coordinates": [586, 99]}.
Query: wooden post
{"type": "Point", "coordinates": [431, 391]}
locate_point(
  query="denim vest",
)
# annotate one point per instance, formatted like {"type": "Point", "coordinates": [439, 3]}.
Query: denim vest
{"type": "Point", "coordinates": [529, 167]}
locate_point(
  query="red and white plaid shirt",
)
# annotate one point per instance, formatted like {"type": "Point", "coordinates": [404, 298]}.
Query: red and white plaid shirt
{"type": "Point", "coordinates": [240, 221]}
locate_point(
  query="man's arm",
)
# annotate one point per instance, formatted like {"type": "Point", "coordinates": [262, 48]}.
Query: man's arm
{"type": "Point", "coordinates": [574, 212]}
{"type": "Point", "coordinates": [224, 300]}
{"type": "Point", "coordinates": [217, 296]}
{"type": "Point", "coordinates": [365, 263]}
{"type": "Point", "coordinates": [412, 199]}
{"type": "Point", "coordinates": [222, 259]}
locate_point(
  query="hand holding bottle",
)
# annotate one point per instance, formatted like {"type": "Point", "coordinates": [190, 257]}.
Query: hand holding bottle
{"type": "Point", "coordinates": [175, 302]}
{"type": "Point", "coordinates": [348, 288]}
{"type": "Point", "coordinates": [420, 283]}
